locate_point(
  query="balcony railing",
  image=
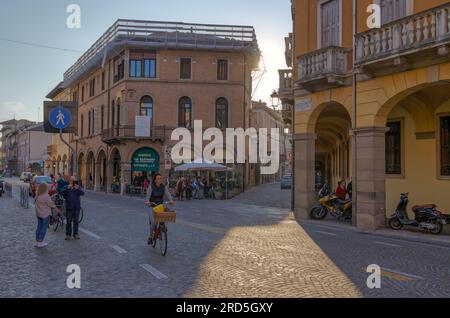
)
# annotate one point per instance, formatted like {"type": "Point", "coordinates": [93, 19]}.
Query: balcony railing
{"type": "Point", "coordinates": [324, 68]}
{"type": "Point", "coordinates": [406, 36]}
{"type": "Point", "coordinates": [121, 133]}
{"type": "Point", "coordinates": [286, 82]}
{"type": "Point", "coordinates": [170, 34]}
{"type": "Point", "coordinates": [330, 60]}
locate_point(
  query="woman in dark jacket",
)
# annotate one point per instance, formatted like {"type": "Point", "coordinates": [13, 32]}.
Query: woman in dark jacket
{"type": "Point", "coordinates": [157, 194]}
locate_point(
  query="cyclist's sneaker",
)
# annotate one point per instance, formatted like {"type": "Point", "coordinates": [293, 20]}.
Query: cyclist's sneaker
{"type": "Point", "coordinates": [76, 237]}
{"type": "Point", "coordinates": [150, 240]}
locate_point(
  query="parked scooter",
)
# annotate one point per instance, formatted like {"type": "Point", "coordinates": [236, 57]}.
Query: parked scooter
{"type": "Point", "coordinates": [330, 203]}
{"type": "Point", "coordinates": [427, 217]}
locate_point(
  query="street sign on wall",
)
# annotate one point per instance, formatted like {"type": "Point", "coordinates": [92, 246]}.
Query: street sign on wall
{"type": "Point", "coordinates": [60, 115]}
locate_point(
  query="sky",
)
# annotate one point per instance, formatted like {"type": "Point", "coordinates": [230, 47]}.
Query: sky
{"type": "Point", "coordinates": [28, 73]}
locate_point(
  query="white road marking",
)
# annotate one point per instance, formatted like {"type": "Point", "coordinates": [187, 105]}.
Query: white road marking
{"type": "Point", "coordinates": [149, 268]}
{"type": "Point", "coordinates": [326, 233]}
{"type": "Point", "coordinates": [118, 249]}
{"type": "Point", "coordinates": [388, 244]}
{"type": "Point", "coordinates": [402, 273]}
{"type": "Point", "coordinates": [90, 233]}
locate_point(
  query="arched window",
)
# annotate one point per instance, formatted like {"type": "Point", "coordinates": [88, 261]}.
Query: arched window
{"type": "Point", "coordinates": [147, 107]}
{"type": "Point", "coordinates": [185, 112]}
{"type": "Point", "coordinates": [222, 113]}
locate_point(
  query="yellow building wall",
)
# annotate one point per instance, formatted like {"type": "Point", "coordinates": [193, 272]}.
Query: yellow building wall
{"type": "Point", "coordinates": [421, 168]}
{"type": "Point", "coordinates": [305, 24]}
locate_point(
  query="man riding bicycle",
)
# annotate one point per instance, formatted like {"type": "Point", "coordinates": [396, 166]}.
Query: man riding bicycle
{"type": "Point", "coordinates": [157, 194]}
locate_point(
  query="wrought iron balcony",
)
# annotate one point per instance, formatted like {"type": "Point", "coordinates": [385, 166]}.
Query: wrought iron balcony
{"type": "Point", "coordinates": [119, 134]}
{"type": "Point", "coordinates": [323, 69]}
{"type": "Point", "coordinates": [415, 41]}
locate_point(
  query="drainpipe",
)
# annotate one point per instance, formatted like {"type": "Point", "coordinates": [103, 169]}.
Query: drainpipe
{"type": "Point", "coordinates": [354, 114]}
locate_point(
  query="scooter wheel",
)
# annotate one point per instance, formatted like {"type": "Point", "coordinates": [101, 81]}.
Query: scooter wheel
{"type": "Point", "coordinates": [438, 228]}
{"type": "Point", "coordinates": [395, 224]}
{"type": "Point", "coordinates": [318, 213]}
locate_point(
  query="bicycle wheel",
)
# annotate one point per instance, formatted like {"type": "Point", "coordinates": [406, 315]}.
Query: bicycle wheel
{"type": "Point", "coordinates": [56, 223]}
{"type": "Point", "coordinates": [155, 237]}
{"type": "Point", "coordinates": [80, 218]}
{"type": "Point", "coordinates": [163, 240]}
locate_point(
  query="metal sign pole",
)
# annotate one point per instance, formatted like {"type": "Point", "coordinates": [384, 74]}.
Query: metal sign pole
{"type": "Point", "coordinates": [75, 166]}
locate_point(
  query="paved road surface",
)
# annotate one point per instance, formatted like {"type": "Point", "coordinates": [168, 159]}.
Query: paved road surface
{"type": "Point", "coordinates": [246, 247]}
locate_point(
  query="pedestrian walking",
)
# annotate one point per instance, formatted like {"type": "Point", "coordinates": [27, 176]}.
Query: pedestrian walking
{"type": "Point", "coordinates": [43, 206]}
{"type": "Point", "coordinates": [72, 195]}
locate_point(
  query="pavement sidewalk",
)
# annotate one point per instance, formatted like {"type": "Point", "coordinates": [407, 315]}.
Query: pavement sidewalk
{"type": "Point", "coordinates": [412, 235]}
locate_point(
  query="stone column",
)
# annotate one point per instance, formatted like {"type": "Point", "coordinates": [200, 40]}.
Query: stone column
{"type": "Point", "coordinates": [370, 178]}
{"type": "Point", "coordinates": [125, 177]}
{"type": "Point", "coordinates": [97, 184]}
{"type": "Point", "coordinates": [305, 158]}
{"type": "Point", "coordinates": [109, 176]}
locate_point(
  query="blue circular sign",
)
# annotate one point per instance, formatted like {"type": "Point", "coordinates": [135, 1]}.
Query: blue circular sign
{"type": "Point", "coordinates": [60, 118]}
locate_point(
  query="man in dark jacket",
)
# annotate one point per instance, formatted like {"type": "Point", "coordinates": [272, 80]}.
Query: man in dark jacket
{"type": "Point", "coordinates": [72, 195]}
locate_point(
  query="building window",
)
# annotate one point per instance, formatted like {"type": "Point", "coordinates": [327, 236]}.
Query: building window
{"type": "Point", "coordinates": [222, 70]}
{"type": "Point", "coordinates": [330, 23]}
{"type": "Point", "coordinates": [75, 96]}
{"type": "Point", "coordinates": [185, 68]}
{"type": "Point", "coordinates": [135, 68]}
{"type": "Point", "coordinates": [82, 126]}
{"type": "Point", "coordinates": [89, 124]}
{"type": "Point", "coordinates": [392, 10]}
{"type": "Point", "coordinates": [102, 118]}
{"type": "Point", "coordinates": [222, 113]}
{"type": "Point", "coordinates": [118, 115]}
{"type": "Point", "coordinates": [119, 70]}
{"type": "Point", "coordinates": [393, 149]}
{"type": "Point", "coordinates": [146, 107]}
{"type": "Point", "coordinates": [445, 146]}
{"type": "Point", "coordinates": [143, 68]}
{"type": "Point", "coordinates": [92, 87]}
{"type": "Point", "coordinates": [150, 68]}
{"type": "Point", "coordinates": [185, 112]}
{"type": "Point", "coordinates": [103, 81]}
{"type": "Point", "coordinates": [113, 113]}
{"type": "Point", "coordinates": [93, 122]}
{"type": "Point", "coordinates": [82, 93]}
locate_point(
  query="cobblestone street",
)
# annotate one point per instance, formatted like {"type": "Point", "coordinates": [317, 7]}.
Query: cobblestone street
{"type": "Point", "coordinates": [240, 248]}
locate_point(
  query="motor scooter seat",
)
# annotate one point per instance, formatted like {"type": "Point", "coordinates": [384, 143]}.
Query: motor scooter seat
{"type": "Point", "coordinates": [416, 208]}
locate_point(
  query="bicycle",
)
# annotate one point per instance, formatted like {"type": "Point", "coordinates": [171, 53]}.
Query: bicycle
{"type": "Point", "coordinates": [58, 218]}
{"type": "Point", "coordinates": [159, 230]}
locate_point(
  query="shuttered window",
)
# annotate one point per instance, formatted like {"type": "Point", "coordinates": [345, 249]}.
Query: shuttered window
{"type": "Point", "coordinates": [330, 21]}
{"type": "Point", "coordinates": [185, 68]}
{"type": "Point", "coordinates": [445, 146]}
{"type": "Point", "coordinates": [392, 10]}
{"type": "Point", "coordinates": [393, 149]}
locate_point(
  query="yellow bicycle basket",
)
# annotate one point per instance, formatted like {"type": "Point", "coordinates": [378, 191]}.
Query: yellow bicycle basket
{"type": "Point", "coordinates": [159, 208]}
